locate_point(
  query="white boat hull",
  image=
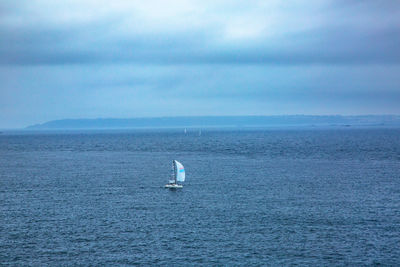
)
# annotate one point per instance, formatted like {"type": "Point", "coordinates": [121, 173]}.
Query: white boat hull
{"type": "Point", "coordinates": [173, 186]}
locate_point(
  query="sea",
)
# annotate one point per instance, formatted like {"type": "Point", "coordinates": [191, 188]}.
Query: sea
{"type": "Point", "coordinates": [252, 197]}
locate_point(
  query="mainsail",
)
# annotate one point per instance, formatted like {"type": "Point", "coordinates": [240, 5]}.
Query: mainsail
{"type": "Point", "coordinates": [180, 172]}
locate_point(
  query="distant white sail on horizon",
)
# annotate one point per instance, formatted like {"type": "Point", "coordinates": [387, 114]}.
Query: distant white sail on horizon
{"type": "Point", "coordinates": [180, 171]}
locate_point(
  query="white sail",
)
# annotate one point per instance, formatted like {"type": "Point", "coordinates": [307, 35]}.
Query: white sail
{"type": "Point", "coordinates": [180, 172]}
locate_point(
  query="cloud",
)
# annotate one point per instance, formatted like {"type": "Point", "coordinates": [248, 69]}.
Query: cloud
{"type": "Point", "coordinates": [194, 32]}
{"type": "Point", "coordinates": [98, 58]}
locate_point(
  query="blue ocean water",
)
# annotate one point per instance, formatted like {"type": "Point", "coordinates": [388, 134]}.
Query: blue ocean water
{"type": "Point", "coordinates": [253, 197]}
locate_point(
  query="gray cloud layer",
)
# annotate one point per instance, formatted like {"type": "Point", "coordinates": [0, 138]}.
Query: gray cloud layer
{"type": "Point", "coordinates": [74, 59]}
{"type": "Point", "coordinates": [349, 32]}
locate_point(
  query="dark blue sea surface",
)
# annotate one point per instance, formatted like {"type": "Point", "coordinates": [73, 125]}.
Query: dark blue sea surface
{"type": "Point", "coordinates": [252, 197]}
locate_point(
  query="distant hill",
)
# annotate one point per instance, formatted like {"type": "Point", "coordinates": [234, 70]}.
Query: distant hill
{"type": "Point", "coordinates": [221, 121]}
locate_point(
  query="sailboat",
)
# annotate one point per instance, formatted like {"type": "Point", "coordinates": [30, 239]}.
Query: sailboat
{"type": "Point", "coordinates": [178, 175]}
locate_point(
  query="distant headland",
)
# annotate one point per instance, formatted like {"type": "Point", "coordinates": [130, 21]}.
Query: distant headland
{"type": "Point", "coordinates": [220, 121]}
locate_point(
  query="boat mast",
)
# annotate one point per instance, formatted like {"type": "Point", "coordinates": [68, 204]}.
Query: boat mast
{"type": "Point", "coordinates": [175, 173]}
{"type": "Point", "coordinates": [172, 172]}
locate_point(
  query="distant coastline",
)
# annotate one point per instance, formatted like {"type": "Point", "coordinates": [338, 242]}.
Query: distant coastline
{"type": "Point", "coordinates": [220, 121]}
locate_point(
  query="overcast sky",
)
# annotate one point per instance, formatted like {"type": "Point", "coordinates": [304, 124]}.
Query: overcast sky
{"type": "Point", "coordinates": [121, 59]}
